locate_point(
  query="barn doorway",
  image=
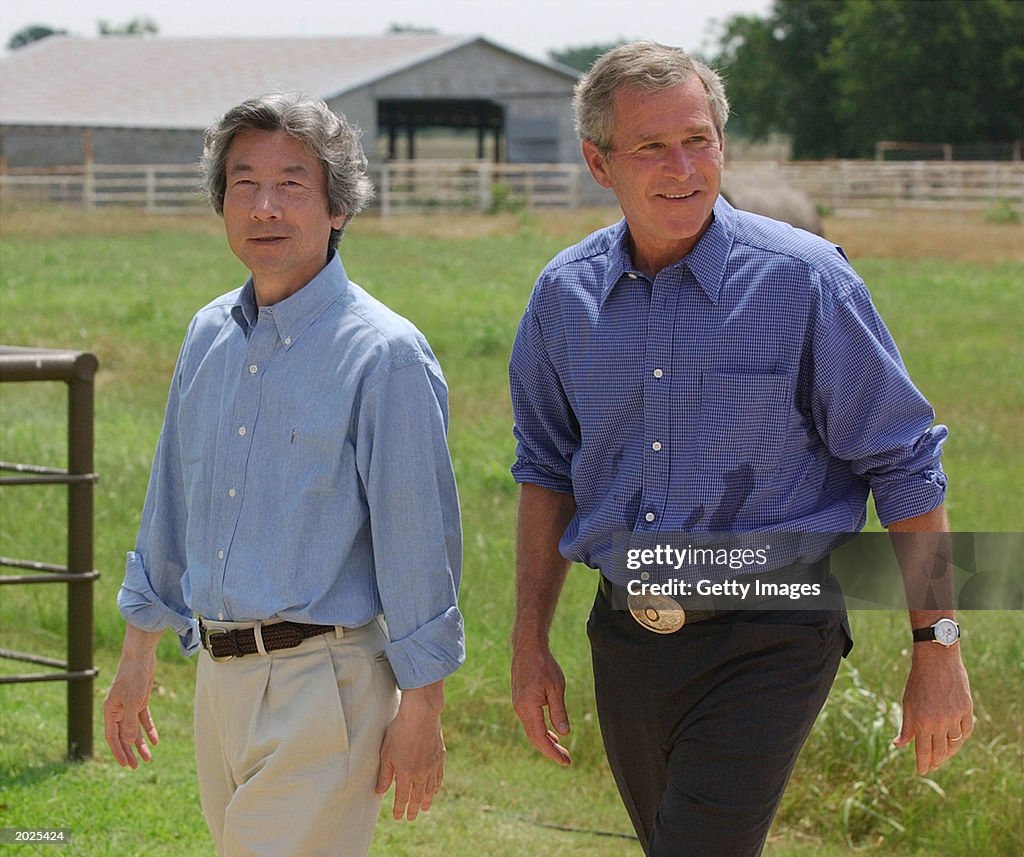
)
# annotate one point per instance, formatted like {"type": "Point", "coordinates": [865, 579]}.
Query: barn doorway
{"type": "Point", "coordinates": [476, 122]}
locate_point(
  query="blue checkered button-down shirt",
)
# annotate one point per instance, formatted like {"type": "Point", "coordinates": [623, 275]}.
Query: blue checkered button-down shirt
{"type": "Point", "coordinates": [750, 387]}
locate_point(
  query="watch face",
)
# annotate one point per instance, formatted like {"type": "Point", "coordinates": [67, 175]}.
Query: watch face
{"type": "Point", "coordinates": [946, 631]}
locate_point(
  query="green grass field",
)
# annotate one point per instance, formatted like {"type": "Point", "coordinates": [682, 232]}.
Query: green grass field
{"type": "Point", "coordinates": [124, 286]}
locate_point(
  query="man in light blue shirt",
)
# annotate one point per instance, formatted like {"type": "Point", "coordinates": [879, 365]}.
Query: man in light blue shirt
{"type": "Point", "coordinates": [301, 528]}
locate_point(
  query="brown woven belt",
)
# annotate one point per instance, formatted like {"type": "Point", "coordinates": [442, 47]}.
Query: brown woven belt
{"type": "Point", "coordinates": [223, 644]}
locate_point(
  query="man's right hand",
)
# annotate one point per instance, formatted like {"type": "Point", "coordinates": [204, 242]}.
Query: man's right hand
{"type": "Point", "coordinates": [538, 683]}
{"type": "Point", "coordinates": [127, 723]}
{"type": "Point", "coordinates": [537, 679]}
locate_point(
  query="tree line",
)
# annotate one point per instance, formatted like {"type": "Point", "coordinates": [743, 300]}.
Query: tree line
{"type": "Point", "coordinates": [836, 76]}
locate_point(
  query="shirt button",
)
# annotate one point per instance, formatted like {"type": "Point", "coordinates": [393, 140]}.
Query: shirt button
{"type": "Point", "coordinates": [656, 445]}
{"type": "Point", "coordinates": [253, 369]}
{"type": "Point", "coordinates": [220, 617]}
{"type": "Point", "coordinates": [220, 554]}
{"type": "Point", "coordinates": [658, 373]}
{"type": "Point", "coordinates": [241, 431]}
{"type": "Point", "coordinates": [287, 340]}
{"type": "Point", "coordinates": [231, 492]}
{"type": "Point", "coordinates": [631, 276]}
{"type": "Point", "coordinates": [649, 517]}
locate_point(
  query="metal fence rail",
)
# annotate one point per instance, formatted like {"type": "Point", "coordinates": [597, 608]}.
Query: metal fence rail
{"type": "Point", "coordinates": [77, 369]}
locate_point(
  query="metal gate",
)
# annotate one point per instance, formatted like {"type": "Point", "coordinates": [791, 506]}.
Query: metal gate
{"type": "Point", "coordinates": [77, 369]}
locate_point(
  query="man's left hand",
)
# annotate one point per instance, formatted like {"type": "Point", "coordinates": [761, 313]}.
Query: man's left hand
{"type": "Point", "coordinates": [937, 709]}
{"type": "Point", "coordinates": [413, 753]}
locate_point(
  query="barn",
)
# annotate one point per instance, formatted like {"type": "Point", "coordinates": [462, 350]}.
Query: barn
{"type": "Point", "coordinates": [133, 100]}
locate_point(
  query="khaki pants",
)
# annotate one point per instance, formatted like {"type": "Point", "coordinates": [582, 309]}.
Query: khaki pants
{"type": "Point", "coordinates": [288, 745]}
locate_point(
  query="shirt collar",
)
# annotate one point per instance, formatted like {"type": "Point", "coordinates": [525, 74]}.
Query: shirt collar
{"type": "Point", "coordinates": [619, 261]}
{"type": "Point", "coordinates": [707, 260]}
{"type": "Point", "coordinates": [298, 311]}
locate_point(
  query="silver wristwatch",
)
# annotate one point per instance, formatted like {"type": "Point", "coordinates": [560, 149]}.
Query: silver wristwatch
{"type": "Point", "coordinates": [945, 632]}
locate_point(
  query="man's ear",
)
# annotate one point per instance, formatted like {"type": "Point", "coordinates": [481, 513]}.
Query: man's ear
{"type": "Point", "coordinates": [597, 163]}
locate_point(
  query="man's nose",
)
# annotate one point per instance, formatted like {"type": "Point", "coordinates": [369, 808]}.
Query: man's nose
{"type": "Point", "coordinates": [679, 160]}
{"type": "Point", "coordinates": [265, 205]}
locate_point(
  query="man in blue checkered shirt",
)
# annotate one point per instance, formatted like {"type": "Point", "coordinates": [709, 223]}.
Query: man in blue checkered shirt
{"type": "Point", "coordinates": [696, 369]}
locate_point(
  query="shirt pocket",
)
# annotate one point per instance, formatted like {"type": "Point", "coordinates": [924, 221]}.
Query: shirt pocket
{"type": "Point", "coordinates": [743, 420]}
{"type": "Point", "coordinates": [318, 459]}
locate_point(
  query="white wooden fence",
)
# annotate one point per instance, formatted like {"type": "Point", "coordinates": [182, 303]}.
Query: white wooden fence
{"type": "Point", "coordinates": [154, 187]}
{"type": "Point", "coordinates": [957, 185]}
{"type": "Point", "coordinates": [424, 186]}
{"type": "Point", "coordinates": [479, 186]}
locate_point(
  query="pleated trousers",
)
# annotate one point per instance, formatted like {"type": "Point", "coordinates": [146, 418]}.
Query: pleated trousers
{"type": "Point", "coordinates": [288, 745]}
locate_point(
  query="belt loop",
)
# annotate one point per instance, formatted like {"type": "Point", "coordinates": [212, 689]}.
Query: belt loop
{"type": "Point", "coordinates": [339, 632]}
{"type": "Point", "coordinates": [257, 633]}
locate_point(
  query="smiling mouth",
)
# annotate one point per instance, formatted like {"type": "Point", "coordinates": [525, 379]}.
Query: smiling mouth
{"type": "Point", "coordinates": [677, 195]}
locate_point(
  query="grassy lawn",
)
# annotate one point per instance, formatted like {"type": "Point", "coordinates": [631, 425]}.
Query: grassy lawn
{"type": "Point", "coordinates": [124, 287]}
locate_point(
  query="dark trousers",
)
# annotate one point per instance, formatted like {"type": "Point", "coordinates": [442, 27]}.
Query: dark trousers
{"type": "Point", "coordinates": [703, 727]}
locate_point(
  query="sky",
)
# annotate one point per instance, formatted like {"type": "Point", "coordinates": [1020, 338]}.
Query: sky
{"type": "Point", "coordinates": [530, 26]}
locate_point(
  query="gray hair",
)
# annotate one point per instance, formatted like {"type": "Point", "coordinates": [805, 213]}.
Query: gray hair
{"type": "Point", "coordinates": [328, 135]}
{"type": "Point", "coordinates": [647, 66]}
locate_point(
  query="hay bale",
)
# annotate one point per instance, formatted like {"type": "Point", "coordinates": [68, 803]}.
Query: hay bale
{"type": "Point", "coordinates": [764, 191]}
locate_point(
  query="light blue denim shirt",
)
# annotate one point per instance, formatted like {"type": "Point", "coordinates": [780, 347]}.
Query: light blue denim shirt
{"type": "Point", "coordinates": [303, 473]}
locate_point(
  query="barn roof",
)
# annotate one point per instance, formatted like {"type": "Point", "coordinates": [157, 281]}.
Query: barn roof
{"type": "Point", "coordinates": [139, 82]}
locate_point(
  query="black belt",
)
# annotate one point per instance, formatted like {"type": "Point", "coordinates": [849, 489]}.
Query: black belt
{"type": "Point", "coordinates": [223, 644]}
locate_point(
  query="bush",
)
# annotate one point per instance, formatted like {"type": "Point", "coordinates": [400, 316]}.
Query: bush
{"type": "Point", "coordinates": [503, 200]}
{"type": "Point", "coordinates": [1002, 212]}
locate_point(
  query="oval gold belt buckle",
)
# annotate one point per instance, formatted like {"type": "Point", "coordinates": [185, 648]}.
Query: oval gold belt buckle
{"type": "Point", "coordinates": [657, 613]}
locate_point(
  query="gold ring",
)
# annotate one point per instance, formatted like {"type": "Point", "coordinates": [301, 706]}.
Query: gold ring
{"type": "Point", "coordinates": [959, 737]}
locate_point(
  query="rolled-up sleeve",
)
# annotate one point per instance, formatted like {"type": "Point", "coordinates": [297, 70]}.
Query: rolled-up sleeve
{"type": "Point", "coordinates": [414, 518]}
{"type": "Point", "coordinates": [151, 596]}
{"type": "Point", "coordinates": [142, 607]}
{"type": "Point", "coordinates": [868, 410]}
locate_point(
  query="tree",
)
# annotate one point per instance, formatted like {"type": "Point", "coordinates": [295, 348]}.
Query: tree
{"type": "Point", "coordinates": [581, 57]}
{"type": "Point", "coordinates": [141, 25]}
{"type": "Point", "coordinates": [773, 65]}
{"type": "Point", "coordinates": [839, 75]}
{"type": "Point", "coordinates": [32, 33]}
{"type": "Point", "coordinates": [949, 71]}
{"type": "Point", "coordinates": [415, 29]}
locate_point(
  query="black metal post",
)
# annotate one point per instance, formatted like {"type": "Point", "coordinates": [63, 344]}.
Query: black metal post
{"type": "Point", "coordinates": [80, 556]}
